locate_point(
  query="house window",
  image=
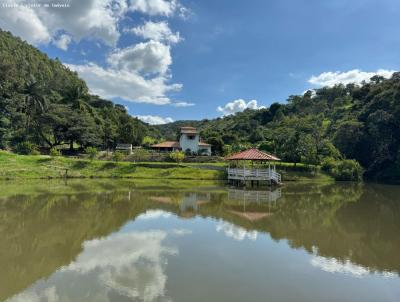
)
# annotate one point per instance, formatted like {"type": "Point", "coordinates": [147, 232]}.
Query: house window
{"type": "Point", "coordinates": [191, 136]}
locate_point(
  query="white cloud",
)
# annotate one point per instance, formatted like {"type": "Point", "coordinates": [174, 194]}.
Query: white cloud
{"type": "Point", "coordinates": [91, 18]}
{"type": "Point", "coordinates": [130, 86]}
{"type": "Point", "coordinates": [157, 31]}
{"type": "Point", "coordinates": [138, 73]}
{"type": "Point", "coordinates": [25, 23]}
{"type": "Point", "coordinates": [154, 119]}
{"type": "Point", "coordinates": [313, 92]}
{"type": "Point", "coordinates": [150, 57]}
{"type": "Point", "coordinates": [235, 232]}
{"type": "Point", "coordinates": [62, 42]}
{"type": "Point", "coordinates": [238, 106]}
{"type": "Point", "coordinates": [155, 7]}
{"type": "Point", "coordinates": [182, 104]}
{"type": "Point", "coordinates": [94, 19]}
{"type": "Point", "coordinates": [353, 76]}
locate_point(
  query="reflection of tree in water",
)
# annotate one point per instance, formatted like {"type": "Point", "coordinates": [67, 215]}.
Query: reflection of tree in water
{"type": "Point", "coordinates": [352, 222]}
{"type": "Point", "coordinates": [43, 232]}
{"type": "Point", "coordinates": [346, 221]}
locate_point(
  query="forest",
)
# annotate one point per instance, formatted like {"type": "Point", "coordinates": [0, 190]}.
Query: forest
{"type": "Point", "coordinates": [344, 122]}
{"type": "Point", "coordinates": [44, 105]}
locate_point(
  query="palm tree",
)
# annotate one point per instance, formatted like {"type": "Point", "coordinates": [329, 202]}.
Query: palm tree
{"type": "Point", "coordinates": [78, 97]}
{"type": "Point", "coordinates": [34, 101]}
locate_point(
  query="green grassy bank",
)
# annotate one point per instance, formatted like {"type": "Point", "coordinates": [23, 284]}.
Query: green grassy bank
{"type": "Point", "coordinates": [13, 166]}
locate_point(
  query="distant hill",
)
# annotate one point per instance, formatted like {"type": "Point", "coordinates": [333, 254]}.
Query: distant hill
{"type": "Point", "coordinates": [44, 105]}
{"type": "Point", "coordinates": [352, 122]}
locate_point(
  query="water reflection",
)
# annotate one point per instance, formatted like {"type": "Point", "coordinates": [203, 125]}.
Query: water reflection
{"type": "Point", "coordinates": [128, 265]}
{"type": "Point", "coordinates": [114, 241]}
{"type": "Point", "coordinates": [235, 232]}
{"type": "Point", "coordinates": [332, 265]}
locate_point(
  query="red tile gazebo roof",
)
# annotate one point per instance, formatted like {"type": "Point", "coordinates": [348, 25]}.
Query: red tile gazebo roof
{"type": "Point", "coordinates": [251, 154]}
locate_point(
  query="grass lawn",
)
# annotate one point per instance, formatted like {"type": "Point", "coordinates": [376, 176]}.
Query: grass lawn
{"type": "Point", "coordinates": [14, 166]}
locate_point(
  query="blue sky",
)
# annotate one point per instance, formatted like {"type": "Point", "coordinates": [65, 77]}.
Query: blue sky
{"type": "Point", "coordinates": [184, 60]}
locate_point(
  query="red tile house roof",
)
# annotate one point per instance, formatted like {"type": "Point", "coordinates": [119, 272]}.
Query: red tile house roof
{"type": "Point", "coordinates": [252, 154]}
{"type": "Point", "coordinates": [167, 144]}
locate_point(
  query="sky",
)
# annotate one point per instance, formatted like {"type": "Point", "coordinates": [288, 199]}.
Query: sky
{"type": "Point", "coordinates": [168, 60]}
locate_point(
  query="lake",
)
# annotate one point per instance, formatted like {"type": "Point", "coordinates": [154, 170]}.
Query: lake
{"type": "Point", "coordinates": [196, 241]}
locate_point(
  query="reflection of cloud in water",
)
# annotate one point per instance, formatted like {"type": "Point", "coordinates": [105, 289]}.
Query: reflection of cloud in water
{"type": "Point", "coordinates": [154, 214]}
{"type": "Point", "coordinates": [181, 232]}
{"type": "Point", "coordinates": [128, 264]}
{"type": "Point", "coordinates": [125, 260]}
{"type": "Point", "coordinates": [332, 265]}
{"type": "Point", "coordinates": [235, 232]}
{"type": "Point", "coordinates": [49, 295]}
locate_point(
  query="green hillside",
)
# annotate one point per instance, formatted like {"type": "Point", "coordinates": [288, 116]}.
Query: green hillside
{"type": "Point", "coordinates": [44, 104]}
{"type": "Point", "coordinates": [342, 122]}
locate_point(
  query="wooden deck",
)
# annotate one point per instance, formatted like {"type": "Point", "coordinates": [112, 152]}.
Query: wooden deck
{"type": "Point", "coordinates": [245, 174]}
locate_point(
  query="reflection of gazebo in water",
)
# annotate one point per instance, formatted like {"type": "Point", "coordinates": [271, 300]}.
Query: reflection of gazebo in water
{"type": "Point", "coordinates": [253, 205]}
{"type": "Point", "coordinates": [254, 196]}
{"type": "Point", "coordinates": [240, 172]}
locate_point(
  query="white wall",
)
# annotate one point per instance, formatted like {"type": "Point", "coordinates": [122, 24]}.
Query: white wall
{"type": "Point", "coordinates": [191, 144]}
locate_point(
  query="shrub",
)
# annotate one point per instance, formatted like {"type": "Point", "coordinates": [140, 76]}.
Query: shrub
{"type": "Point", "coordinates": [92, 152]}
{"type": "Point", "coordinates": [25, 148]}
{"type": "Point", "coordinates": [227, 150]}
{"type": "Point", "coordinates": [118, 156]}
{"type": "Point", "coordinates": [148, 141]}
{"type": "Point", "coordinates": [177, 156]}
{"type": "Point", "coordinates": [54, 152]}
{"type": "Point", "coordinates": [347, 170]}
{"type": "Point", "coordinates": [140, 154]}
{"type": "Point", "coordinates": [329, 150]}
{"type": "Point", "coordinates": [328, 164]}
{"type": "Point", "coordinates": [35, 152]}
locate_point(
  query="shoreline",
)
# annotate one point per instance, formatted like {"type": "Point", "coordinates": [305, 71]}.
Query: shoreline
{"type": "Point", "coordinates": [41, 167]}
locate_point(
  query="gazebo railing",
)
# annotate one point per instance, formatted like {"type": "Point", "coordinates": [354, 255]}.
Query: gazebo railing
{"type": "Point", "coordinates": [254, 174]}
{"type": "Point", "coordinates": [254, 196]}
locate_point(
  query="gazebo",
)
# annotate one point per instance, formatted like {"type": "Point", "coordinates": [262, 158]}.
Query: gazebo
{"type": "Point", "coordinates": [249, 172]}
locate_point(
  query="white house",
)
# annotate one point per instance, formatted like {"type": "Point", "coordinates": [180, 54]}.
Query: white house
{"type": "Point", "coordinates": [124, 147]}
{"type": "Point", "coordinates": [189, 141]}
